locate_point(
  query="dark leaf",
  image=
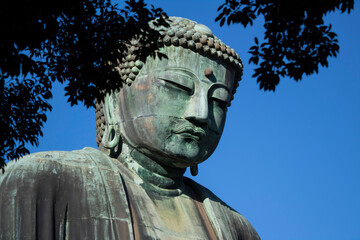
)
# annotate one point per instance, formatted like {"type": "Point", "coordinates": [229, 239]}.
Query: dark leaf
{"type": "Point", "coordinates": [222, 21]}
{"type": "Point", "coordinates": [296, 39]}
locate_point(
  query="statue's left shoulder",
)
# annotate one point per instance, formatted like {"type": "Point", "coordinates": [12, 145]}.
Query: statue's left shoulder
{"type": "Point", "coordinates": [227, 223]}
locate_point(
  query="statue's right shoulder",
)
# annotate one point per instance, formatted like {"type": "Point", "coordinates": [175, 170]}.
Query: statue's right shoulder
{"type": "Point", "coordinates": [56, 163]}
{"type": "Point", "coordinates": [52, 189]}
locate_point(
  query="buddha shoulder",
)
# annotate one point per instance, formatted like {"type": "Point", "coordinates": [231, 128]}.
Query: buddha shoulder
{"type": "Point", "coordinates": [44, 166]}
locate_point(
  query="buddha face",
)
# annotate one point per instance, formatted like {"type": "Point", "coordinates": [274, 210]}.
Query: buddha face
{"type": "Point", "coordinates": [175, 110]}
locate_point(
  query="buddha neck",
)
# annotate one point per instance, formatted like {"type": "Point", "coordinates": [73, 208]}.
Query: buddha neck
{"type": "Point", "coordinates": [155, 177]}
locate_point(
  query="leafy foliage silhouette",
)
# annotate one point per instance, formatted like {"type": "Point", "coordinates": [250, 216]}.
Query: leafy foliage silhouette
{"type": "Point", "coordinates": [74, 42]}
{"type": "Point", "coordinates": [296, 39]}
{"type": "Point", "coordinates": [78, 42]}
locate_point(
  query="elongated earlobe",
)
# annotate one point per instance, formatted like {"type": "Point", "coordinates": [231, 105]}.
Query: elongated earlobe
{"type": "Point", "coordinates": [194, 170]}
{"type": "Point", "coordinates": [111, 136]}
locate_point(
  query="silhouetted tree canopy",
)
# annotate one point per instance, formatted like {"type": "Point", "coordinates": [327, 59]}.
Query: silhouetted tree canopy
{"type": "Point", "coordinates": [74, 42]}
{"type": "Point", "coordinates": [78, 42]}
{"type": "Point", "coordinates": [296, 39]}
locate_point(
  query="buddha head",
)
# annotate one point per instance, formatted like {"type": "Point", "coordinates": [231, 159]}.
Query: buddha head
{"type": "Point", "coordinates": [172, 109]}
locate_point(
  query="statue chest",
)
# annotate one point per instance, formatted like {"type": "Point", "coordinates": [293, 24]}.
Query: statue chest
{"type": "Point", "coordinates": [159, 216]}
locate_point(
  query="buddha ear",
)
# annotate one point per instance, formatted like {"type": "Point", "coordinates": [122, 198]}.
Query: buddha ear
{"type": "Point", "coordinates": [194, 170]}
{"type": "Point", "coordinates": [111, 137]}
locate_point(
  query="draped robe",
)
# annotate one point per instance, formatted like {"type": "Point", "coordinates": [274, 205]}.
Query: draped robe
{"type": "Point", "coordinates": [85, 194]}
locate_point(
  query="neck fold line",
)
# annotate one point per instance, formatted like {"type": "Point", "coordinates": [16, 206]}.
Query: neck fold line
{"type": "Point", "coordinates": [162, 179]}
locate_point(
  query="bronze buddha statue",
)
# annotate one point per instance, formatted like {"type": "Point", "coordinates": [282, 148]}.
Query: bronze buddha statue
{"type": "Point", "coordinates": [168, 115]}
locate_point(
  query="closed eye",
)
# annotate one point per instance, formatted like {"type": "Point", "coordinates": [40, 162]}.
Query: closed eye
{"type": "Point", "coordinates": [218, 100]}
{"type": "Point", "coordinates": [220, 103]}
{"type": "Point", "coordinates": [220, 95]}
{"type": "Point", "coordinates": [176, 84]}
{"type": "Point", "coordinates": [177, 78]}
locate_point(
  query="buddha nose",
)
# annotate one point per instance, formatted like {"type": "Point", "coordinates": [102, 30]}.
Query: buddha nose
{"type": "Point", "coordinates": [198, 108]}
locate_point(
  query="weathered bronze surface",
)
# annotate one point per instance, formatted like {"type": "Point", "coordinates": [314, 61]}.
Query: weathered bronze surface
{"type": "Point", "coordinates": [168, 116]}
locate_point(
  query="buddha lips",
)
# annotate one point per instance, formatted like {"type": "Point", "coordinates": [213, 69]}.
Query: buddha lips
{"type": "Point", "coordinates": [189, 131]}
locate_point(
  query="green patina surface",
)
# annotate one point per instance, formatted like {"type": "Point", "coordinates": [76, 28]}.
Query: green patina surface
{"type": "Point", "coordinates": [169, 118]}
{"type": "Point", "coordinates": [173, 112]}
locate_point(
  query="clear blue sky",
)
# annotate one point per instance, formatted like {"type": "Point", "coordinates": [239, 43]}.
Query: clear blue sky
{"type": "Point", "coordinates": [289, 161]}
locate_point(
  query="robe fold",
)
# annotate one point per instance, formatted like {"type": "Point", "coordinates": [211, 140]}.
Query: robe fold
{"type": "Point", "coordinates": [85, 194]}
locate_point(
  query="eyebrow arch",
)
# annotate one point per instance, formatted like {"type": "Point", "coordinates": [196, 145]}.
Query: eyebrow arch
{"type": "Point", "coordinates": [182, 70]}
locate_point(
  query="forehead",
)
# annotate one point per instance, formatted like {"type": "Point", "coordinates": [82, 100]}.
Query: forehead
{"type": "Point", "coordinates": [187, 61]}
